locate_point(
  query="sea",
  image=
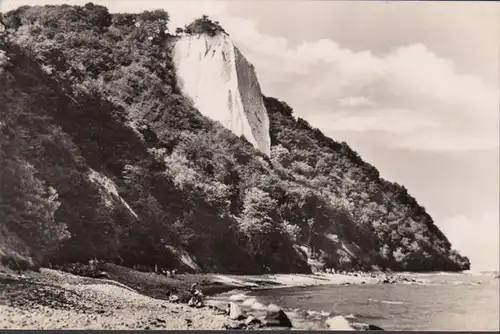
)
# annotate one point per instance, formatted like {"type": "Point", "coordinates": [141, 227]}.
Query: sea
{"type": "Point", "coordinates": [442, 301]}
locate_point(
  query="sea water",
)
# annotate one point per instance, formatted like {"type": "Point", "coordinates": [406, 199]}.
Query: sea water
{"type": "Point", "coordinates": [442, 302]}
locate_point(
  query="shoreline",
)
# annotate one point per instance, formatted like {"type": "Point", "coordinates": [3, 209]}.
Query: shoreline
{"type": "Point", "coordinates": [283, 281]}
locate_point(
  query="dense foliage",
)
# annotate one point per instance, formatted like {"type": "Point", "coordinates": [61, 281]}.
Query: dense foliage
{"type": "Point", "coordinates": [103, 157]}
{"type": "Point", "coordinates": [202, 25]}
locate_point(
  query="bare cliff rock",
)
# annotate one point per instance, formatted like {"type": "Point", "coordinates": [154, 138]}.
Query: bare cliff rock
{"type": "Point", "coordinates": [223, 85]}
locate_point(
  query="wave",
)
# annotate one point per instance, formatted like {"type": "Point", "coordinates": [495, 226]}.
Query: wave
{"type": "Point", "coordinates": [356, 316]}
{"type": "Point", "coordinates": [465, 272]}
{"type": "Point", "coordinates": [464, 283]}
{"type": "Point", "coordinates": [480, 273]}
{"type": "Point", "coordinates": [446, 273]}
{"type": "Point", "coordinates": [386, 301]}
{"type": "Point", "coordinates": [238, 297]}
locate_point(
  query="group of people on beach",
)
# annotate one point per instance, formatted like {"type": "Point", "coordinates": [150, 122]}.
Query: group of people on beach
{"type": "Point", "coordinates": [169, 273]}
{"type": "Point", "coordinates": [330, 271]}
{"type": "Point", "coordinates": [340, 272]}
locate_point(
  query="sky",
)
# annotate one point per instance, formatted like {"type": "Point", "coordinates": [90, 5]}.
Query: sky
{"type": "Point", "coordinates": [412, 86]}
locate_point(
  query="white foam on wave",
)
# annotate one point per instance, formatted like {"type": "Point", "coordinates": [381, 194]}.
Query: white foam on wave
{"type": "Point", "coordinates": [465, 283]}
{"type": "Point", "coordinates": [258, 306]}
{"type": "Point", "coordinates": [238, 297]}
{"type": "Point", "coordinates": [387, 301]}
{"type": "Point", "coordinates": [249, 301]}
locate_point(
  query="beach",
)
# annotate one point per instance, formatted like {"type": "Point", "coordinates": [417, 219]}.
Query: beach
{"type": "Point", "coordinates": [125, 298]}
{"type": "Point", "coordinates": [56, 300]}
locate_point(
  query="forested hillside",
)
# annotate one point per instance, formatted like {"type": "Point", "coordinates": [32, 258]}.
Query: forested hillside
{"type": "Point", "coordinates": [101, 156]}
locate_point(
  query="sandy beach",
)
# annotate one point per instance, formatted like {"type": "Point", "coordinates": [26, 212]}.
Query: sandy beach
{"type": "Point", "coordinates": [290, 280]}
{"type": "Point", "coordinates": [56, 300]}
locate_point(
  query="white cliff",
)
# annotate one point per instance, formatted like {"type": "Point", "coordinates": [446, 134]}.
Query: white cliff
{"type": "Point", "coordinates": [223, 86]}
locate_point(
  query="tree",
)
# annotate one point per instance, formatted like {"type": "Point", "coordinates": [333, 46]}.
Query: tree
{"type": "Point", "coordinates": [310, 225]}
{"type": "Point", "coordinates": [98, 16]}
{"type": "Point", "coordinates": [258, 223]}
{"type": "Point", "coordinates": [399, 256]}
{"type": "Point", "coordinates": [28, 209]}
{"type": "Point", "coordinates": [258, 206]}
{"type": "Point", "coordinates": [293, 231]}
{"type": "Point", "coordinates": [281, 155]}
{"type": "Point", "coordinates": [204, 25]}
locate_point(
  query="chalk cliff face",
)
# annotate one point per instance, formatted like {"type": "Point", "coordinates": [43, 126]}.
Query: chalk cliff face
{"type": "Point", "coordinates": [223, 85]}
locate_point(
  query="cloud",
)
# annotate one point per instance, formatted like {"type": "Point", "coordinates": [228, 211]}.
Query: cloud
{"type": "Point", "coordinates": [450, 141]}
{"type": "Point", "coordinates": [452, 111]}
{"type": "Point", "coordinates": [392, 121]}
{"type": "Point", "coordinates": [476, 237]}
{"type": "Point", "coordinates": [354, 101]}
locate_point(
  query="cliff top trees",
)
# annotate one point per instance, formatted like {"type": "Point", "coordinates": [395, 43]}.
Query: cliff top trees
{"type": "Point", "coordinates": [203, 25]}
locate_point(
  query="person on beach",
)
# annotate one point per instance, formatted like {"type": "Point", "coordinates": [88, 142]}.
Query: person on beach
{"type": "Point", "coordinates": [195, 291]}
{"type": "Point", "coordinates": [197, 296]}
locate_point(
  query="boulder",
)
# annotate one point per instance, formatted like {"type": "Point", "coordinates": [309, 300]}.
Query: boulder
{"type": "Point", "coordinates": [275, 317]}
{"type": "Point", "coordinates": [374, 328]}
{"type": "Point", "coordinates": [235, 326]}
{"type": "Point", "coordinates": [252, 321]}
{"type": "Point", "coordinates": [217, 310]}
{"type": "Point", "coordinates": [173, 299]}
{"type": "Point", "coordinates": [102, 274]}
{"type": "Point", "coordinates": [196, 302]}
{"type": "Point", "coordinates": [365, 327]}
{"type": "Point", "coordinates": [235, 312]}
